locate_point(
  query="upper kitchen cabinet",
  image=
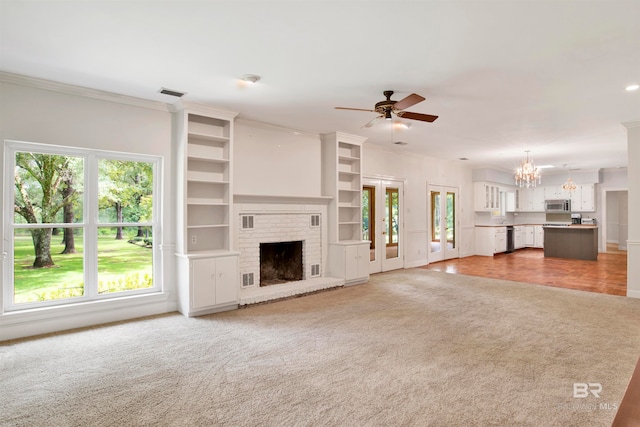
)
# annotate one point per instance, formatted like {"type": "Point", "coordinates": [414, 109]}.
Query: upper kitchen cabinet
{"type": "Point", "coordinates": [486, 196]}
{"type": "Point", "coordinates": [583, 198]}
{"type": "Point", "coordinates": [532, 199]}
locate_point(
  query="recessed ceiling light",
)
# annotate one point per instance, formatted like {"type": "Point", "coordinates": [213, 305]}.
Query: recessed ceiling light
{"type": "Point", "coordinates": [250, 78]}
{"type": "Point", "coordinates": [632, 88]}
{"type": "Point", "coordinates": [463, 158]}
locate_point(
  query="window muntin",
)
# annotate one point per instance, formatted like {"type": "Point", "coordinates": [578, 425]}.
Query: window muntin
{"type": "Point", "coordinates": [95, 269]}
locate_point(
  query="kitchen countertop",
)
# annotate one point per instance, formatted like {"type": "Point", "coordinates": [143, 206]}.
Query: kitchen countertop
{"type": "Point", "coordinates": [546, 226]}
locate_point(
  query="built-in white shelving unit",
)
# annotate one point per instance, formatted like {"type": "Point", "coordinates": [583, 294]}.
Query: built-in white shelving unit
{"type": "Point", "coordinates": [207, 268]}
{"type": "Point", "coordinates": [342, 180]}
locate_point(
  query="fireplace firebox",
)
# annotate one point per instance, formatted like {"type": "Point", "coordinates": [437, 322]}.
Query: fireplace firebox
{"type": "Point", "coordinates": [280, 262]}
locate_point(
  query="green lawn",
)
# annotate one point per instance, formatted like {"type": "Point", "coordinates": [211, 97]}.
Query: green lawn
{"type": "Point", "coordinates": [121, 266]}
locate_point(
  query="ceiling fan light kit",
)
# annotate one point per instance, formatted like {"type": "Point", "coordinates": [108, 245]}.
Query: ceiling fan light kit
{"type": "Point", "coordinates": [386, 108]}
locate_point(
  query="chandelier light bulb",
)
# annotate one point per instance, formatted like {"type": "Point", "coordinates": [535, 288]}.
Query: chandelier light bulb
{"type": "Point", "coordinates": [527, 174]}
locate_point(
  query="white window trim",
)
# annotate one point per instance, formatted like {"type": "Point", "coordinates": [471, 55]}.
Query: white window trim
{"type": "Point", "coordinates": [90, 222]}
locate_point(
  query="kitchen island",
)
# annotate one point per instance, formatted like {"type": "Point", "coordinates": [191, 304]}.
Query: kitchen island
{"type": "Point", "coordinates": [574, 241]}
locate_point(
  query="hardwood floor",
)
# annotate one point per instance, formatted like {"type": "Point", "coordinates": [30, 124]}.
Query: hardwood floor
{"type": "Point", "coordinates": [607, 275]}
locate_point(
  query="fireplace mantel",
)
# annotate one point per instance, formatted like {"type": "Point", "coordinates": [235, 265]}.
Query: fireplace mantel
{"type": "Point", "coordinates": [281, 199]}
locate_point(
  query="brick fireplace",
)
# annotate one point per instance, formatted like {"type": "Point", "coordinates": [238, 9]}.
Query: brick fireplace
{"type": "Point", "coordinates": [279, 225]}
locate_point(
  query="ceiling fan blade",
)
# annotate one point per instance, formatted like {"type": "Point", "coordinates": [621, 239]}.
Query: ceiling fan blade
{"type": "Point", "coordinates": [372, 122]}
{"type": "Point", "coordinates": [416, 116]}
{"type": "Point", "coordinates": [355, 109]}
{"type": "Point", "coordinates": [407, 102]}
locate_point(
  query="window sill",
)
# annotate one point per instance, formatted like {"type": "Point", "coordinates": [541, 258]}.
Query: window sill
{"type": "Point", "coordinates": [22, 323]}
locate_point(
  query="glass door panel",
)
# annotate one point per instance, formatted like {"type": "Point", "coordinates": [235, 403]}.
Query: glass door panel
{"type": "Point", "coordinates": [392, 207]}
{"type": "Point", "coordinates": [369, 219]}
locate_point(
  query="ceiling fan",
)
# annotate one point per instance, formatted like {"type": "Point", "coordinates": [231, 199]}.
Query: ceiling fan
{"type": "Point", "coordinates": [388, 106]}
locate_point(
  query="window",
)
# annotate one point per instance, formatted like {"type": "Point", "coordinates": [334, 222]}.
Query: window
{"type": "Point", "coordinates": [82, 225]}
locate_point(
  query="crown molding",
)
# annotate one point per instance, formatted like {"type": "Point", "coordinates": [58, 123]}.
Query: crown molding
{"type": "Point", "coordinates": [19, 79]}
{"type": "Point", "coordinates": [630, 125]}
{"type": "Point", "coordinates": [257, 124]}
{"type": "Point", "coordinates": [191, 106]}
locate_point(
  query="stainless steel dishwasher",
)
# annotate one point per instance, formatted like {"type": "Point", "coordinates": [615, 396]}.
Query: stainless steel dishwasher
{"type": "Point", "coordinates": [510, 244]}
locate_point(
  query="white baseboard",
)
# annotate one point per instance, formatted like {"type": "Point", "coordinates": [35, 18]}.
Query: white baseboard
{"type": "Point", "coordinates": [43, 321]}
{"type": "Point", "coordinates": [414, 264]}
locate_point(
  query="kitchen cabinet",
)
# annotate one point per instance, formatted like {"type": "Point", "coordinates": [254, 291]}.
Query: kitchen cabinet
{"type": "Point", "coordinates": [528, 236]}
{"type": "Point", "coordinates": [538, 236]}
{"type": "Point", "coordinates": [349, 261]}
{"type": "Point", "coordinates": [490, 240]}
{"type": "Point", "coordinates": [213, 284]}
{"type": "Point", "coordinates": [532, 199]}
{"type": "Point", "coordinates": [518, 237]}
{"type": "Point", "coordinates": [486, 196]}
{"type": "Point", "coordinates": [587, 198]}
{"type": "Point", "coordinates": [500, 240]}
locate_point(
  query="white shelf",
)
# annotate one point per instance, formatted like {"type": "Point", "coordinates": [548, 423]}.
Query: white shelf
{"type": "Point", "coordinates": [214, 178]}
{"type": "Point", "coordinates": [206, 202]}
{"type": "Point", "coordinates": [349, 158]}
{"type": "Point", "coordinates": [193, 227]}
{"type": "Point", "coordinates": [207, 137]}
{"type": "Point", "coordinates": [350, 223]}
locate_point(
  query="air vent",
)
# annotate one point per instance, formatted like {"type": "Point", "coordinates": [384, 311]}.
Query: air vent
{"type": "Point", "coordinates": [247, 279]}
{"type": "Point", "coordinates": [315, 220]}
{"type": "Point", "coordinates": [315, 270]}
{"type": "Point", "coordinates": [247, 222]}
{"type": "Point", "coordinates": [170, 92]}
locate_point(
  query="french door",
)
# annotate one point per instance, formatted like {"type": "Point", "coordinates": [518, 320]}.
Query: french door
{"type": "Point", "coordinates": [443, 236]}
{"type": "Point", "coordinates": [382, 224]}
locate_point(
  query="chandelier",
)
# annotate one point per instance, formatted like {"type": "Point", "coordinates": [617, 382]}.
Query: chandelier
{"type": "Point", "coordinates": [569, 185]}
{"type": "Point", "coordinates": [527, 174]}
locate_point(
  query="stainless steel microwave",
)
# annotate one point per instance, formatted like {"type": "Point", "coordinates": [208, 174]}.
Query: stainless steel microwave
{"type": "Point", "coordinates": [557, 205]}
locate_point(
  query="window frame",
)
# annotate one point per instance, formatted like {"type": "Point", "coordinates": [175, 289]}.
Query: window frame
{"type": "Point", "coordinates": [89, 224]}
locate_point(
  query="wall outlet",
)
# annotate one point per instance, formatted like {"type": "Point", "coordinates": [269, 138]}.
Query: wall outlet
{"type": "Point", "coordinates": [194, 240]}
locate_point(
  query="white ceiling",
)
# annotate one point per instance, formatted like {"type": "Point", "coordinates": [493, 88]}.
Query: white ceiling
{"type": "Point", "coordinates": [503, 76]}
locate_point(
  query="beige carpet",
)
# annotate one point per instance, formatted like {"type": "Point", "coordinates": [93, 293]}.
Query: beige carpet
{"type": "Point", "coordinates": [410, 348]}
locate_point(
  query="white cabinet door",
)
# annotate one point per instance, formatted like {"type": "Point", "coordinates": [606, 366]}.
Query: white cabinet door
{"type": "Point", "coordinates": [500, 242]}
{"type": "Point", "coordinates": [356, 261]}
{"type": "Point", "coordinates": [529, 239]}
{"type": "Point", "coordinates": [226, 283]}
{"type": "Point", "coordinates": [203, 283]}
{"type": "Point", "coordinates": [537, 199]}
{"type": "Point", "coordinates": [486, 196]}
{"type": "Point", "coordinates": [213, 282]}
{"type": "Point", "coordinates": [524, 195]}
{"type": "Point", "coordinates": [587, 193]}
{"type": "Point", "coordinates": [538, 236]}
{"type": "Point", "coordinates": [518, 237]}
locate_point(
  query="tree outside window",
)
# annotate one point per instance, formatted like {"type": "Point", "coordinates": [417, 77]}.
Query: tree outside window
{"type": "Point", "coordinates": [58, 222]}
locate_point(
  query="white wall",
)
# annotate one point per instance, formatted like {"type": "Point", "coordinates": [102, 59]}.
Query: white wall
{"type": "Point", "coordinates": [35, 114]}
{"type": "Point", "coordinates": [418, 172]}
{"type": "Point", "coordinates": [270, 160]}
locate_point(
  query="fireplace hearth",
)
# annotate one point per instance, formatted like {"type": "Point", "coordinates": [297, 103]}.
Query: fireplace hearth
{"type": "Point", "coordinates": [280, 262]}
